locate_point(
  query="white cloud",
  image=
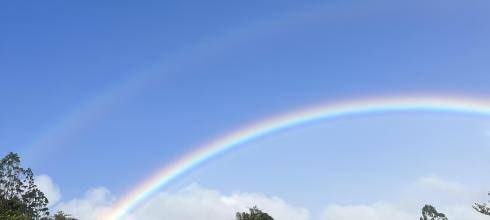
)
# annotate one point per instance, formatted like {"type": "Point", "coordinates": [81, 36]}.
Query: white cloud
{"type": "Point", "coordinates": [382, 211]}
{"type": "Point", "coordinates": [451, 198]}
{"type": "Point", "coordinates": [95, 203]}
{"type": "Point", "coordinates": [433, 182]}
{"type": "Point", "coordinates": [442, 192]}
{"type": "Point", "coordinates": [50, 190]}
{"type": "Point", "coordinates": [195, 202]}
{"type": "Point", "coordinates": [376, 211]}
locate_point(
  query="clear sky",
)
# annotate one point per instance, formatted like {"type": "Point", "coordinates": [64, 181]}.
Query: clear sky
{"type": "Point", "coordinates": [105, 93]}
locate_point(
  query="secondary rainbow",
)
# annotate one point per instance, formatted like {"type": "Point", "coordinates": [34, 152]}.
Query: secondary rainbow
{"type": "Point", "coordinates": [320, 112]}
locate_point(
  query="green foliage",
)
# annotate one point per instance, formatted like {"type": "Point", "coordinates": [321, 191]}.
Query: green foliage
{"type": "Point", "coordinates": [430, 213]}
{"type": "Point", "coordinates": [33, 198]}
{"type": "Point", "coordinates": [20, 199]}
{"type": "Point", "coordinates": [13, 209]}
{"type": "Point", "coordinates": [482, 208]}
{"type": "Point", "coordinates": [19, 196]}
{"type": "Point", "coordinates": [12, 215]}
{"type": "Point", "coordinates": [254, 214]}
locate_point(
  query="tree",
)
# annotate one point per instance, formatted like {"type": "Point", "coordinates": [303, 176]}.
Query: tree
{"type": "Point", "coordinates": [254, 214]}
{"type": "Point", "coordinates": [33, 198]}
{"type": "Point", "coordinates": [430, 213]}
{"type": "Point", "coordinates": [20, 199]}
{"type": "Point", "coordinates": [19, 196]}
{"type": "Point", "coordinates": [482, 208]}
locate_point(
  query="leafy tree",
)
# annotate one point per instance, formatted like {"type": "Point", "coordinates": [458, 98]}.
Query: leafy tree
{"type": "Point", "coordinates": [254, 214]}
{"type": "Point", "coordinates": [430, 213]}
{"type": "Point", "coordinates": [19, 196]}
{"type": "Point", "coordinates": [33, 198]}
{"type": "Point", "coordinates": [482, 208]}
{"type": "Point", "coordinates": [11, 173]}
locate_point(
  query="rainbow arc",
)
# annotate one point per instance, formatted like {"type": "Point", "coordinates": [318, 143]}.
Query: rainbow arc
{"type": "Point", "coordinates": [268, 126]}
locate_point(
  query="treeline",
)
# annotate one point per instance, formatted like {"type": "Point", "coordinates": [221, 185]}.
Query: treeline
{"type": "Point", "coordinates": [20, 199]}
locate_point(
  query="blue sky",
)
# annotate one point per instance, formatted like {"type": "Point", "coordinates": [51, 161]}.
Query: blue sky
{"type": "Point", "coordinates": [359, 159]}
{"type": "Point", "coordinates": [103, 94]}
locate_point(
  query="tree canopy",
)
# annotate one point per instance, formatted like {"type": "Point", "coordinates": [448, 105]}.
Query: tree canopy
{"type": "Point", "coordinates": [482, 208]}
{"type": "Point", "coordinates": [253, 214]}
{"type": "Point", "coordinates": [20, 199]}
{"type": "Point", "coordinates": [430, 213]}
{"type": "Point", "coordinates": [19, 195]}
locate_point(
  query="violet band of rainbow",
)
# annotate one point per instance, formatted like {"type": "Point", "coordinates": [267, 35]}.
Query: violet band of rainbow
{"type": "Point", "coordinates": [202, 153]}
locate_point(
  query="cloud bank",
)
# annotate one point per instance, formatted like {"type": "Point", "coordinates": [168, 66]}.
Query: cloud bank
{"type": "Point", "coordinates": [196, 202]}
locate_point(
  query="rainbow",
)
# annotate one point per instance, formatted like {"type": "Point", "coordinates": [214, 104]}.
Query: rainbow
{"type": "Point", "coordinates": [321, 112]}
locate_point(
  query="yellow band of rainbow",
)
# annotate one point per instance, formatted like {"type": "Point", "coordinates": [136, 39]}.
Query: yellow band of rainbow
{"type": "Point", "coordinates": [321, 112]}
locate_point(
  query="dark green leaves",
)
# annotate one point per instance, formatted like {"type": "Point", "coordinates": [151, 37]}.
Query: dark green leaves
{"type": "Point", "coordinates": [19, 195]}
{"type": "Point", "coordinates": [253, 214]}
{"type": "Point", "coordinates": [430, 213]}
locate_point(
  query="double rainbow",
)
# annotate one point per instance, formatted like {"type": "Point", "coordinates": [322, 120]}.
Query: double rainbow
{"type": "Point", "coordinates": [322, 112]}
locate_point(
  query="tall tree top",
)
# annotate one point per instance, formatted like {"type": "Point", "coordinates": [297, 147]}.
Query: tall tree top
{"type": "Point", "coordinates": [253, 214]}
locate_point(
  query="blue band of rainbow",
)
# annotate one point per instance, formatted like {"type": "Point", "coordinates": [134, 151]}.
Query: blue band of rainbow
{"type": "Point", "coordinates": [321, 112]}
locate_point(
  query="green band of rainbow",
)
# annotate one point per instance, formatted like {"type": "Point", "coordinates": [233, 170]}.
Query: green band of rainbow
{"type": "Point", "coordinates": [163, 177]}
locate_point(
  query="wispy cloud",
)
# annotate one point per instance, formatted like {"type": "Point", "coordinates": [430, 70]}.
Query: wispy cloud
{"type": "Point", "coordinates": [49, 188]}
{"type": "Point", "coordinates": [435, 183]}
{"type": "Point", "coordinates": [452, 198]}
